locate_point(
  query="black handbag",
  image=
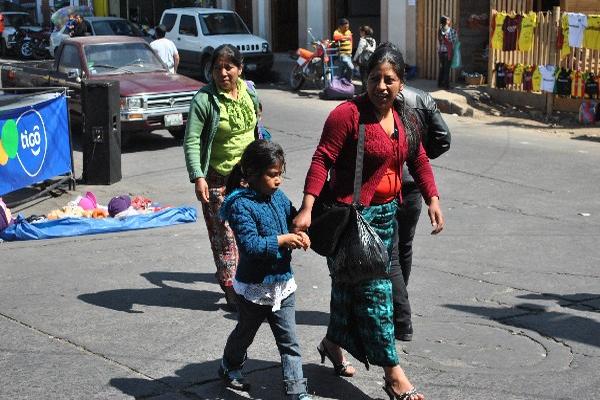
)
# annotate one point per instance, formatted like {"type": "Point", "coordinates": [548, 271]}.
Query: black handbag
{"type": "Point", "coordinates": [328, 217]}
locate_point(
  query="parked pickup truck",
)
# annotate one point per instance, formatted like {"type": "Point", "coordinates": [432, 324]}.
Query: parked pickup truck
{"type": "Point", "coordinates": [151, 97]}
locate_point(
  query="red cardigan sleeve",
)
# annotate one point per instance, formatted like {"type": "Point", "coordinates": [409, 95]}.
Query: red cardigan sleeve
{"type": "Point", "coordinates": [337, 127]}
{"type": "Point", "coordinates": [420, 169]}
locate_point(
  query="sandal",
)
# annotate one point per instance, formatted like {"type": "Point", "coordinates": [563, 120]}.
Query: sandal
{"type": "Point", "coordinates": [340, 369]}
{"type": "Point", "coordinates": [412, 394]}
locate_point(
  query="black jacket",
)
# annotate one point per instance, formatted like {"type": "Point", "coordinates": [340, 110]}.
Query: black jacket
{"type": "Point", "coordinates": [435, 134]}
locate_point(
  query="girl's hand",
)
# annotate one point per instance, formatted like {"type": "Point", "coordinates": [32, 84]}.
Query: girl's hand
{"type": "Point", "coordinates": [305, 240]}
{"type": "Point", "coordinates": [201, 188]}
{"type": "Point", "coordinates": [435, 215]}
{"type": "Point", "coordinates": [290, 241]}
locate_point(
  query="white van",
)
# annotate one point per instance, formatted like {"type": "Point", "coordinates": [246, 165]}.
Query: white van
{"type": "Point", "coordinates": [198, 31]}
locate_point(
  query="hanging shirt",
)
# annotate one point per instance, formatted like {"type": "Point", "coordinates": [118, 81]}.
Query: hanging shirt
{"type": "Point", "coordinates": [591, 86]}
{"type": "Point", "coordinates": [548, 78]}
{"type": "Point", "coordinates": [500, 76]}
{"type": "Point", "coordinates": [536, 80]}
{"type": "Point", "coordinates": [578, 86]}
{"type": "Point", "coordinates": [518, 74]}
{"type": "Point", "coordinates": [577, 25]}
{"type": "Point", "coordinates": [498, 34]}
{"type": "Point", "coordinates": [510, 27]}
{"type": "Point", "coordinates": [563, 82]}
{"type": "Point", "coordinates": [528, 78]}
{"type": "Point", "coordinates": [510, 74]}
{"type": "Point", "coordinates": [565, 49]}
{"type": "Point", "coordinates": [528, 25]}
{"type": "Point", "coordinates": [591, 37]}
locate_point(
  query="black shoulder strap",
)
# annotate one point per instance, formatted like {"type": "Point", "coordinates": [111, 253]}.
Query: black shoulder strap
{"type": "Point", "coordinates": [360, 152]}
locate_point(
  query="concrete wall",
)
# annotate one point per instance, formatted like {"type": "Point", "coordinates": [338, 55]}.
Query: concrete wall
{"type": "Point", "coordinates": [399, 26]}
{"type": "Point", "coordinates": [316, 17]}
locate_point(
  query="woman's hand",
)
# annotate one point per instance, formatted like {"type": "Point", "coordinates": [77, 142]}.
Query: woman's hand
{"type": "Point", "coordinates": [201, 188]}
{"type": "Point", "coordinates": [305, 240]}
{"type": "Point", "coordinates": [303, 220]}
{"type": "Point", "coordinates": [435, 215]}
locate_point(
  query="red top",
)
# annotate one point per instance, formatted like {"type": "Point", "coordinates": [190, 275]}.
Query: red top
{"type": "Point", "coordinates": [511, 29]}
{"type": "Point", "coordinates": [337, 151]}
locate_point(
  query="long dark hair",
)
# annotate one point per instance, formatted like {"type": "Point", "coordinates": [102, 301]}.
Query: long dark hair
{"type": "Point", "coordinates": [256, 160]}
{"type": "Point", "coordinates": [387, 52]}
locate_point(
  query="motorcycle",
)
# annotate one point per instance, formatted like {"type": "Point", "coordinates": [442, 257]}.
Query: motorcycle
{"type": "Point", "coordinates": [31, 44]}
{"type": "Point", "coordinates": [312, 65]}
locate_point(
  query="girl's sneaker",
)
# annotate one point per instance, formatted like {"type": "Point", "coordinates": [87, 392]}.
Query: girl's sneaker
{"type": "Point", "coordinates": [234, 379]}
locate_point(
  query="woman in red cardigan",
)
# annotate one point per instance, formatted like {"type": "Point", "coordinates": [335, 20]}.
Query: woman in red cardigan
{"type": "Point", "coordinates": [361, 317]}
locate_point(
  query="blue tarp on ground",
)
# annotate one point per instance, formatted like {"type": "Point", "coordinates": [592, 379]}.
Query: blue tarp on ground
{"type": "Point", "coordinates": [23, 230]}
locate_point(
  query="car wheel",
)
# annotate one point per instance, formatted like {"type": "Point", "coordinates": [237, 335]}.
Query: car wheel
{"type": "Point", "coordinates": [206, 72]}
{"type": "Point", "coordinates": [26, 49]}
{"type": "Point", "coordinates": [177, 133]}
{"type": "Point", "coordinates": [296, 77]}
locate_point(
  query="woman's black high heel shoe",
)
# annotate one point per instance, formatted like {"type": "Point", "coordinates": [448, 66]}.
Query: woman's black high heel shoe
{"type": "Point", "coordinates": [412, 394]}
{"type": "Point", "coordinates": [340, 369]}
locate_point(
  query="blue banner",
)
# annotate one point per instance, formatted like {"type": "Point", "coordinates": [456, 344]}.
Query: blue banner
{"type": "Point", "coordinates": [34, 144]}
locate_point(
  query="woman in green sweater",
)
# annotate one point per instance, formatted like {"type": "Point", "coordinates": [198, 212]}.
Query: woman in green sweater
{"type": "Point", "coordinates": [221, 123]}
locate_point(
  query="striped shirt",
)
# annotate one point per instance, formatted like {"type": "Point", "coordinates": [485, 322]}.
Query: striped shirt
{"type": "Point", "coordinates": [345, 40]}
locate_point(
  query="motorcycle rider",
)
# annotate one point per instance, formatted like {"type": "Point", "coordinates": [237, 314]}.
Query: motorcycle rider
{"type": "Point", "coordinates": [435, 137]}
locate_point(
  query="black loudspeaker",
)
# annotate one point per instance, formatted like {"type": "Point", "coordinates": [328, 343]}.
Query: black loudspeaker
{"type": "Point", "coordinates": [101, 132]}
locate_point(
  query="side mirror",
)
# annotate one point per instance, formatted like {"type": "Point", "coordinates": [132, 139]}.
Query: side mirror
{"type": "Point", "coordinates": [73, 74]}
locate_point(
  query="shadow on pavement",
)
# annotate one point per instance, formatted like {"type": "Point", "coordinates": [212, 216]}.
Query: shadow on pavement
{"type": "Point", "coordinates": [553, 324]}
{"type": "Point", "coordinates": [200, 381]}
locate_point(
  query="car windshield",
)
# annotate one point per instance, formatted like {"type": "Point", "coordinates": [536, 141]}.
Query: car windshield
{"type": "Point", "coordinates": [222, 24]}
{"type": "Point", "coordinates": [115, 27]}
{"type": "Point", "coordinates": [121, 58]}
{"type": "Point", "coordinates": [17, 20]}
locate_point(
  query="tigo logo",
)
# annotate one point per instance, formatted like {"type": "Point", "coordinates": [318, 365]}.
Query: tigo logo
{"type": "Point", "coordinates": [25, 139]}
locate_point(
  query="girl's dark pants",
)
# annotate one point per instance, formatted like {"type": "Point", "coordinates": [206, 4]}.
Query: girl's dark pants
{"type": "Point", "coordinates": [283, 326]}
{"type": "Point", "coordinates": [444, 75]}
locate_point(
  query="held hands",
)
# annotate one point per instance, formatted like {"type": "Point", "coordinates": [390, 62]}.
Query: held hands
{"type": "Point", "coordinates": [298, 240]}
{"type": "Point", "coordinates": [201, 188]}
{"type": "Point", "coordinates": [435, 215]}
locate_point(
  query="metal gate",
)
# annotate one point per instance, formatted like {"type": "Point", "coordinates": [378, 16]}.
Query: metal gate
{"type": "Point", "coordinates": [428, 17]}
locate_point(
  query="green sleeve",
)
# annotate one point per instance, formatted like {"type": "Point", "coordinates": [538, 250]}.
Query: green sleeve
{"type": "Point", "coordinates": [192, 143]}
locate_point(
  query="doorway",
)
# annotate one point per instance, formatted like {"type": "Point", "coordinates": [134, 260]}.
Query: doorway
{"type": "Point", "coordinates": [284, 29]}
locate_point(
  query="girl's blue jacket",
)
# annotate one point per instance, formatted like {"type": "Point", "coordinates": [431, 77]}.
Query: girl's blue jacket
{"type": "Point", "coordinates": [256, 221]}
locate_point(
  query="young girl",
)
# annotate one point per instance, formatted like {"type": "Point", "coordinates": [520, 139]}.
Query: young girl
{"type": "Point", "coordinates": [259, 215]}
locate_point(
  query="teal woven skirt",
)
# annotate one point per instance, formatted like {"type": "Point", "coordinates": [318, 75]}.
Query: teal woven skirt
{"type": "Point", "coordinates": [361, 315]}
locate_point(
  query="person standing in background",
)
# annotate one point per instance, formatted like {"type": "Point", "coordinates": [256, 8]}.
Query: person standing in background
{"type": "Point", "coordinates": [366, 47]}
{"type": "Point", "coordinates": [165, 49]}
{"type": "Point", "coordinates": [343, 36]}
{"type": "Point", "coordinates": [447, 38]}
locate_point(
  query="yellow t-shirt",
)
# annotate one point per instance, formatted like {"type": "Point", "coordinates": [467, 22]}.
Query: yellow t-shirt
{"type": "Point", "coordinates": [536, 80]}
{"type": "Point", "coordinates": [237, 119]}
{"type": "Point", "coordinates": [527, 27]}
{"type": "Point", "coordinates": [565, 50]}
{"type": "Point", "coordinates": [345, 40]}
{"type": "Point", "coordinates": [518, 74]}
{"type": "Point", "coordinates": [591, 37]}
{"type": "Point", "coordinates": [498, 37]}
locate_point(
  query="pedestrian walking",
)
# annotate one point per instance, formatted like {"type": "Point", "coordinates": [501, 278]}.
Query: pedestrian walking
{"type": "Point", "coordinates": [221, 123]}
{"type": "Point", "coordinates": [447, 40]}
{"type": "Point", "coordinates": [361, 314]}
{"type": "Point", "coordinates": [165, 49]}
{"type": "Point", "coordinates": [343, 36]}
{"type": "Point", "coordinates": [366, 47]}
{"type": "Point", "coordinates": [435, 136]}
{"type": "Point", "coordinates": [260, 215]}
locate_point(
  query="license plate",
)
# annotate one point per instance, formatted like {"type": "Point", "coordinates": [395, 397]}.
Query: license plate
{"type": "Point", "coordinates": [301, 61]}
{"type": "Point", "coordinates": [250, 67]}
{"type": "Point", "coordinates": [173, 120]}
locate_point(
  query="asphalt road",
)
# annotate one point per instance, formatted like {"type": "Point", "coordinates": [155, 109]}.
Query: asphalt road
{"type": "Point", "coordinates": [506, 300]}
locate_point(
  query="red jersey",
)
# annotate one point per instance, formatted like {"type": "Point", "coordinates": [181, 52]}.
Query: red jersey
{"type": "Point", "coordinates": [510, 27]}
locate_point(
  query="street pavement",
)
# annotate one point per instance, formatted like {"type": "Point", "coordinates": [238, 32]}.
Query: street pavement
{"type": "Point", "coordinates": [506, 300]}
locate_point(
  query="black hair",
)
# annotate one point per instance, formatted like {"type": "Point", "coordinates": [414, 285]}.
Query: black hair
{"type": "Point", "coordinates": [228, 52]}
{"type": "Point", "coordinates": [367, 30]}
{"type": "Point", "coordinates": [258, 157]}
{"type": "Point", "coordinates": [343, 21]}
{"type": "Point", "coordinates": [387, 52]}
{"type": "Point", "coordinates": [444, 20]}
{"type": "Point", "coordinates": [160, 31]}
